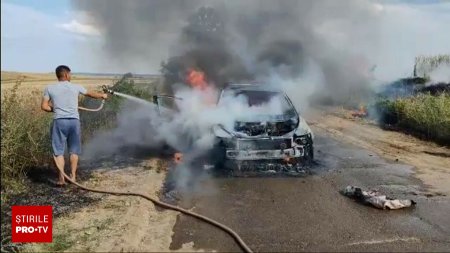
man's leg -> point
(58, 144)
(73, 166)
(74, 143)
(59, 161)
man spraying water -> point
(61, 99)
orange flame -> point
(287, 159)
(178, 158)
(196, 79)
(362, 112)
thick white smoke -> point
(441, 74)
(188, 130)
(190, 127)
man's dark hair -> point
(60, 70)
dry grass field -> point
(37, 81)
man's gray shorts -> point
(63, 130)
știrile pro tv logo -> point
(31, 223)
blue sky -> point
(51, 7)
(38, 35)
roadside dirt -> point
(117, 223)
(432, 162)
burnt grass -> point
(41, 190)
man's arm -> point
(91, 93)
(45, 105)
(94, 94)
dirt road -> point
(431, 162)
(309, 213)
(281, 214)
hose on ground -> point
(221, 226)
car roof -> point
(251, 87)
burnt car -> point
(265, 140)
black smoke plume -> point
(241, 40)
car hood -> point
(264, 129)
(266, 125)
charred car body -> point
(268, 141)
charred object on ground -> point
(376, 199)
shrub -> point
(25, 136)
(423, 114)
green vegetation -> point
(65, 239)
(60, 242)
(423, 115)
(25, 137)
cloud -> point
(76, 27)
(23, 22)
(31, 40)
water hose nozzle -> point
(107, 90)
